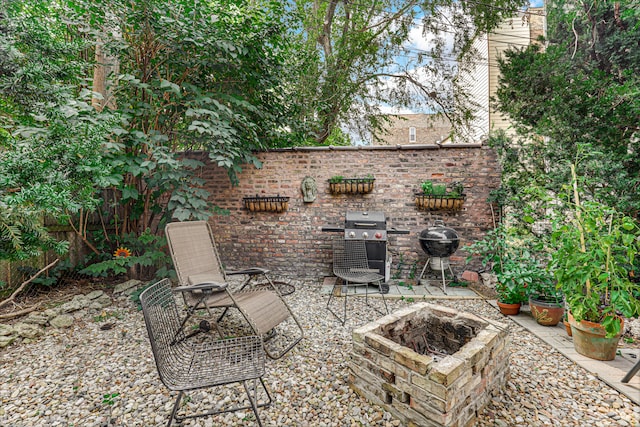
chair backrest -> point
(193, 251)
(164, 328)
(349, 256)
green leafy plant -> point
(545, 288)
(429, 188)
(336, 179)
(439, 190)
(457, 189)
(147, 256)
(511, 259)
(109, 398)
(596, 248)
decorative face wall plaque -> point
(309, 189)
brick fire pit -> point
(430, 365)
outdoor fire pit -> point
(430, 365)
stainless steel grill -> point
(372, 228)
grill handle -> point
(365, 224)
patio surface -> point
(611, 372)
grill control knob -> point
(352, 234)
(365, 235)
(378, 235)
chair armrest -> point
(206, 286)
(250, 271)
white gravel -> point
(87, 376)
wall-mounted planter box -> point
(266, 203)
(429, 202)
(352, 186)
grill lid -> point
(374, 220)
(439, 241)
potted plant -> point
(565, 321)
(512, 281)
(341, 185)
(434, 196)
(595, 250)
(546, 301)
(512, 264)
(336, 184)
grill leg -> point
(444, 281)
(424, 269)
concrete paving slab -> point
(398, 289)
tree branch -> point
(24, 284)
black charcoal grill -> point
(372, 228)
(439, 243)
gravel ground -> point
(88, 376)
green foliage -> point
(516, 261)
(430, 188)
(147, 257)
(439, 190)
(575, 103)
(595, 277)
(22, 235)
(51, 138)
(110, 398)
(192, 76)
(52, 276)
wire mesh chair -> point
(350, 264)
(185, 365)
(203, 283)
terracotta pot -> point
(509, 309)
(567, 327)
(546, 313)
(589, 339)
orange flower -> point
(122, 252)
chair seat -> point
(218, 362)
(264, 309)
(357, 277)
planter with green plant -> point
(595, 250)
(546, 301)
(436, 196)
(341, 185)
(514, 266)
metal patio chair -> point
(204, 285)
(185, 365)
(350, 264)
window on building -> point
(412, 134)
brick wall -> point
(292, 244)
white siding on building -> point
(477, 83)
(514, 33)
